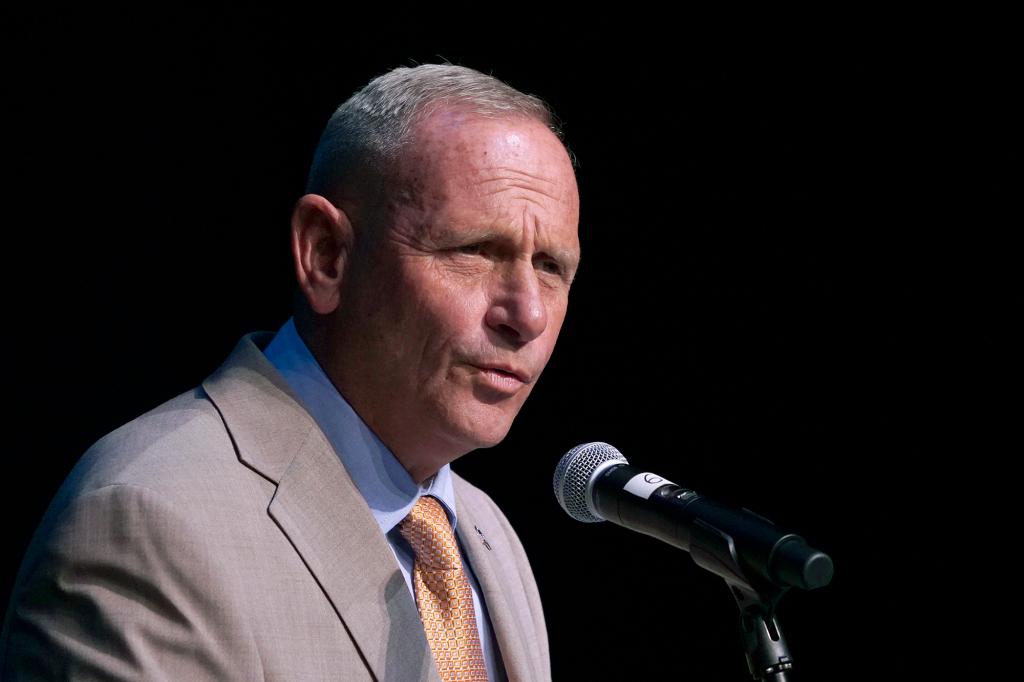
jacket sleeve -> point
(122, 585)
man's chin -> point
(476, 438)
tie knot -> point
(427, 530)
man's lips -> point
(504, 370)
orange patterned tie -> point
(443, 594)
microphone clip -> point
(765, 648)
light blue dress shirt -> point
(383, 482)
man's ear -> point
(322, 240)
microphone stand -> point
(766, 651)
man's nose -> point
(517, 310)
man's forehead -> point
(455, 152)
(458, 137)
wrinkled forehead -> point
(452, 148)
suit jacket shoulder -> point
(217, 536)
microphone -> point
(594, 482)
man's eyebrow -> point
(567, 256)
(482, 234)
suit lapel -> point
(321, 512)
(319, 509)
(493, 571)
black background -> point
(791, 294)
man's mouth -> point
(506, 372)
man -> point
(291, 518)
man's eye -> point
(470, 249)
(551, 267)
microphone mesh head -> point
(574, 473)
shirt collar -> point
(383, 482)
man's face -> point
(453, 305)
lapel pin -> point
(482, 538)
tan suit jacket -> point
(218, 536)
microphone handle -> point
(649, 504)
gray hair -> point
(368, 131)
